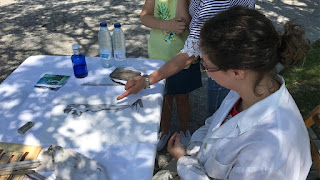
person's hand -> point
(133, 86)
(176, 25)
(175, 147)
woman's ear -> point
(238, 74)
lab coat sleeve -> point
(252, 173)
(259, 160)
(198, 136)
(189, 168)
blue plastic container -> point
(79, 63)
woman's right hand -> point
(175, 148)
(133, 86)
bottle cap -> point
(103, 24)
(75, 46)
(117, 25)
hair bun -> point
(292, 46)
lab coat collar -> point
(248, 118)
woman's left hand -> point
(175, 147)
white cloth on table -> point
(267, 141)
(129, 156)
(68, 164)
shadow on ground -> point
(51, 27)
(303, 12)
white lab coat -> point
(267, 141)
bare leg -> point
(166, 114)
(184, 109)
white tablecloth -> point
(123, 141)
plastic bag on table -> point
(68, 164)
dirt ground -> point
(41, 27)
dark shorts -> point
(184, 81)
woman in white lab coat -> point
(258, 132)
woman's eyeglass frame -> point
(204, 69)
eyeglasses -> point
(204, 69)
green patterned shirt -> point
(163, 44)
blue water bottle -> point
(78, 62)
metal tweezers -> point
(116, 83)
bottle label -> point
(120, 54)
(105, 56)
(106, 53)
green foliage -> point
(303, 81)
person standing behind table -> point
(258, 131)
(169, 20)
(200, 11)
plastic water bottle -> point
(78, 62)
(105, 45)
(119, 46)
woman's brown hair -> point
(243, 38)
